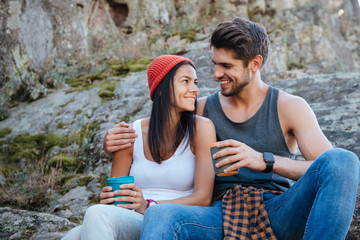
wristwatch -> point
(151, 202)
(270, 160)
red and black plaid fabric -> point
(244, 214)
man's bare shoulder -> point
(294, 112)
(290, 102)
(200, 106)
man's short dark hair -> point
(247, 39)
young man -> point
(262, 127)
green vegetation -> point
(70, 101)
(183, 27)
(63, 161)
(64, 229)
(110, 68)
(84, 82)
(3, 113)
(107, 92)
(76, 220)
(77, 112)
(61, 125)
(33, 180)
(123, 67)
(127, 117)
(293, 65)
(189, 35)
(7, 169)
(73, 180)
(4, 132)
(32, 147)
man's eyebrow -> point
(222, 63)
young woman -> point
(170, 159)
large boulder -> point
(42, 42)
(21, 224)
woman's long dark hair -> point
(159, 134)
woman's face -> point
(185, 88)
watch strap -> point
(270, 160)
(151, 202)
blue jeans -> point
(319, 205)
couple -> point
(261, 126)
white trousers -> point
(107, 222)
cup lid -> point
(120, 179)
(213, 144)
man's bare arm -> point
(298, 120)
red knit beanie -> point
(159, 67)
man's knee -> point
(341, 162)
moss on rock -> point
(63, 161)
(77, 112)
(70, 101)
(61, 125)
(70, 181)
(7, 169)
(113, 68)
(85, 81)
(102, 180)
(189, 35)
(31, 147)
(31, 151)
(127, 117)
(123, 67)
(293, 65)
(81, 179)
(107, 92)
(4, 132)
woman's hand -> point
(106, 195)
(134, 195)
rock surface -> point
(44, 41)
(335, 99)
(20, 224)
(308, 38)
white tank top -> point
(173, 178)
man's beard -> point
(237, 90)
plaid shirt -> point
(244, 214)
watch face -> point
(269, 157)
(152, 204)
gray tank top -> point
(262, 132)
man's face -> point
(231, 73)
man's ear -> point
(255, 63)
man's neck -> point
(255, 90)
(247, 102)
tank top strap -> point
(138, 144)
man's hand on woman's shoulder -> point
(119, 137)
